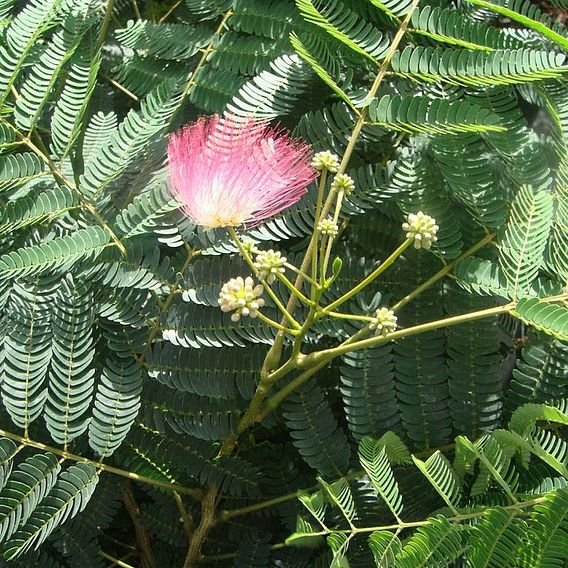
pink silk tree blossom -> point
(227, 172)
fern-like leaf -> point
(315, 432)
(60, 253)
(385, 546)
(496, 540)
(29, 484)
(36, 208)
(71, 376)
(17, 169)
(441, 475)
(433, 544)
(477, 68)
(374, 459)
(412, 114)
(548, 532)
(133, 135)
(36, 17)
(522, 247)
(35, 90)
(344, 25)
(27, 348)
(550, 318)
(69, 495)
(272, 92)
(7, 453)
(117, 401)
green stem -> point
(269, 291)
(340, 315)
(302, 274)
(276, 399)
(226, 515)
(274, 354)
(105, 24)
(115, 561)
(315, 361)
(397, 527)
(187, 522)
(441, 273)
(414, 524)
(310, 318)
(275, 324)
(315, 236)
(305, 300)
(330, 239)
(375, 274)
(346, 347)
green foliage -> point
(477, 68)
(17, 169)
(38, 498)
(59, 253)
(315, 433)
(438, 541)
(496, 539)
(374, 459)
(36, 208)
(344, 25)
(71, 378)
(525, 237)
(130, 139)
(550, 318)
(409, 114)
(445, 447)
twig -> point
(195, 493)
(187, 522)
(115, 561)
(144, 548)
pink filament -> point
(227, 172)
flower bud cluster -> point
(249, 245)
(326, 161)
(241, 296)
(422, 228)
(384, 322)
(269, 264)
(328, 227)
(343, 182)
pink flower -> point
(227, 172)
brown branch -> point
(142, 539)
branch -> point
(195, 493)
(146, 555)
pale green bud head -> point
(326, 160)
(384, 322)
(328, 227)
(242, 296)
(422, 229)
(344, 183)
(269, 264)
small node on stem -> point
(298, 359)
(343, 183)
(384, 322)
(249, 246)
(241, 296)
(326, 161)
(269, 264)
(422, 229)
